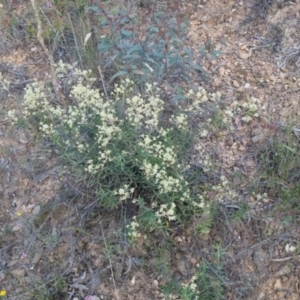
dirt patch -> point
(56, 241)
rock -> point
(2, 276)
(235, 84)
(23, 141)
(260, 260)
(277, 284)
(18, 272)
(17, 227)
(36, 210)
(294, 296)
(261, 296)
(243, 55)
(180, 266)
(13, 262)
(258, 138)
(118, 268)
(222, 71)
(37, 256)
(177, 256)
(283, 271)
(193, 261)
(132, 281)
(285, 112)
(247, 85)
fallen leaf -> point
(87, 37)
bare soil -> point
(45, 234)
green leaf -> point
(105, 46)
(132, 57)
(198, 67)
(118, 74)
(124, 20)
(127, 33)
(180, 91)
(103, 22)
(135, 48)
(289, 148)
(157, 55)
(94, 9)
(188, 51)
(154, 29)
(216, 53)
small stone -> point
(247, 85)
(178, 239)
(285, 112)
(118, 268)
(222, 71)
(177, 256)
(277, 284)
(193, 261)
(261, 296)
(13, 262)
(18, 272)
(17, 227)
(260, 259)
(294, 296)
(23, 141)
(283, 271)
(235, 84)
(36, 210)
(181, 268)
(29, 208)
(243, 55)
(132, 281)
(2, 276)
(258, 138)
(37, 256)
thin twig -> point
(103, 83)
(110, 264)
(75, 39)
(41, 41)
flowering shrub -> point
(128, 150)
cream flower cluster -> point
(93, 166)
(202, 158)
(144, 111)
(35, 100)
(180, 121)
(201, 96)
(73, 74)
(4, 82)
(132, 227)
(192, 285)
(248, 110)
(222, 192)
(124, 192)
(157, 149)
(164, 182)
(166, 211)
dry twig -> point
(41, 41)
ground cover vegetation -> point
(127, 112)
